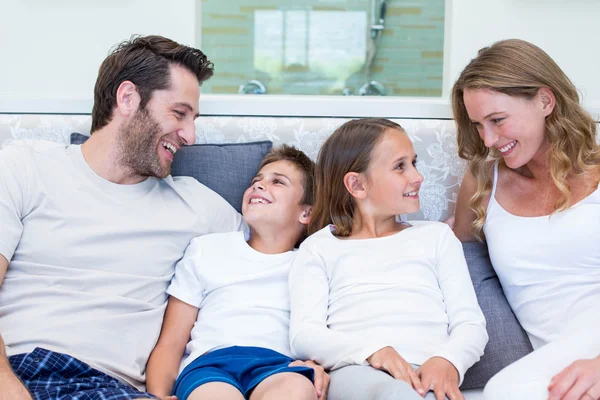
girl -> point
(389, 307)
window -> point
(327, 47)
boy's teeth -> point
(258, 200)
(410, 194)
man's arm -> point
(3, 268)
(12, 183)
(12, 388)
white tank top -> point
(549, 266)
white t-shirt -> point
(90, 260)
(549, 266)
(242, 294)
(411, 291)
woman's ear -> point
(355, 185)
(548, 100)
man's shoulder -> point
(188, 185)
(217, 215)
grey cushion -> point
(508, 341)
(227, 169)
(78, 138)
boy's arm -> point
(163, 364)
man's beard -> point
(138, 146)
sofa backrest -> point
(434, 141)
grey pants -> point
(362, 382)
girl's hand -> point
(579, 381)
(439, 375)
(388, 359)
(321, 377)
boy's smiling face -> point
(274, 196)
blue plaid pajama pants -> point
(56, 376)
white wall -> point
(50, 51)
(566, 29)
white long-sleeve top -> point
(411, 290)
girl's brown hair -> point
(519, 68)
(348, 149)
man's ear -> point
(305, 216)
(355, 185)
(548, 100)
(128, 98)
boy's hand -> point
(321, 377)
(388, 359)
(440, 376)
(169, 398)
(580, 380)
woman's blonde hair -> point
(348, 149)
(519, 68)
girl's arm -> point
(163, 364)
(310, 337)
(466, 322)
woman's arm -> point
(464, 214)
(163, 364)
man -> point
(90, 234)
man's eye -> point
(179, 114)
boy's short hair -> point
(301, 161)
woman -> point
(532, 193)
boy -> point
(231, 298)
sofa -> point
(229, 149)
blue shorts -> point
(242, 367)
(51, 376)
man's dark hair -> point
(145, 61)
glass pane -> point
(328, 47)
